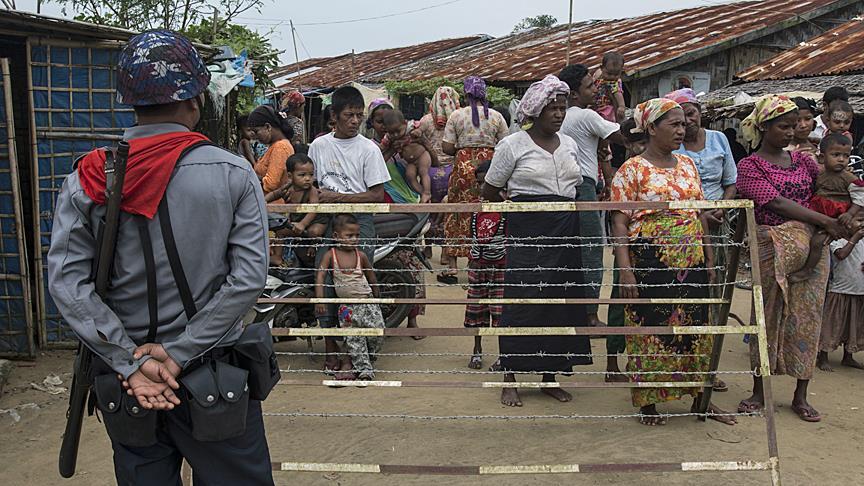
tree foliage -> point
(496, 96)
(540, 21)
(141, 15)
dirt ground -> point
(827, 453)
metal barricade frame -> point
(746, 227)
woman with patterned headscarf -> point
(444, 102)
(663, 254)
(540, 165)
(470, 134)
(781, 183)
(292, 105)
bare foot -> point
(715, 413)
(719, 385)
(412, 324)
(650, 416)
(476, 361)
(849, 361)
(799, 276)
(510, 397)
(822, 362)
(558, 394)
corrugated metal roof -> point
(337, 71)
(839, 50)
(647, 42)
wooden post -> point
(569, 32)
(297, 61)
(353, 78)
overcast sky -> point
(404, 25)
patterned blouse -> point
(640, 180)
(763, 182)
(462, 133)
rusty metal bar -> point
(463, 301)
(695, 466)
(762, 341)
(510, 331)
(503, 207)
(494, 384)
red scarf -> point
(148, 170)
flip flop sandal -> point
(720, 386)
(476, 362)
(447, 279)
(804, 413)
(749, 407)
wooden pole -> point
(297, 60)
(353, 78)
(17, 204)
(569, 31)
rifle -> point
(115, 173)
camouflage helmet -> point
(159, 67)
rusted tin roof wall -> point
(837, 51)
(337, 71)
(645, 41)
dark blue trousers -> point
(242, 460)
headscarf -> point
(266, 114)
(292, 99)
(539, 95)
(767, 108)
(681, 96)
(475, 90)
(444, 103)
(650, 111)
(374, 105)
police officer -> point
(218, 218)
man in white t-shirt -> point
(349, 168)
(588, 129)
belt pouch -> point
(254, 353)
(126, 421)
(218, 398)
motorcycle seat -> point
(394, 225)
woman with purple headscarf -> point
(471, 134)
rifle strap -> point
(150, 269)
(174, 260)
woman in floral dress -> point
(672, 241)
(471, 134)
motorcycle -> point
(402, 233)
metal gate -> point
(16, 316)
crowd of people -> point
(574, 141)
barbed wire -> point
(505, 417)
(526, 269)
(275, 243)
(391, 239)
(483, 372)
(543, 284)
(498, 355)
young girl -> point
(843, 321)
(300, 173)
(840, 116)
(838, 195)
(485, 270)
(418, 158)
(353, 278)
(609, 100)
(806, 116)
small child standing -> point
(244, 146)
(418, 158)
(609, 100)
(843, 318)
(353, 278)
(485, 270)
(838, 195)
(300, 172)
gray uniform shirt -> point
(219, 219)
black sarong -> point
(547, 228)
